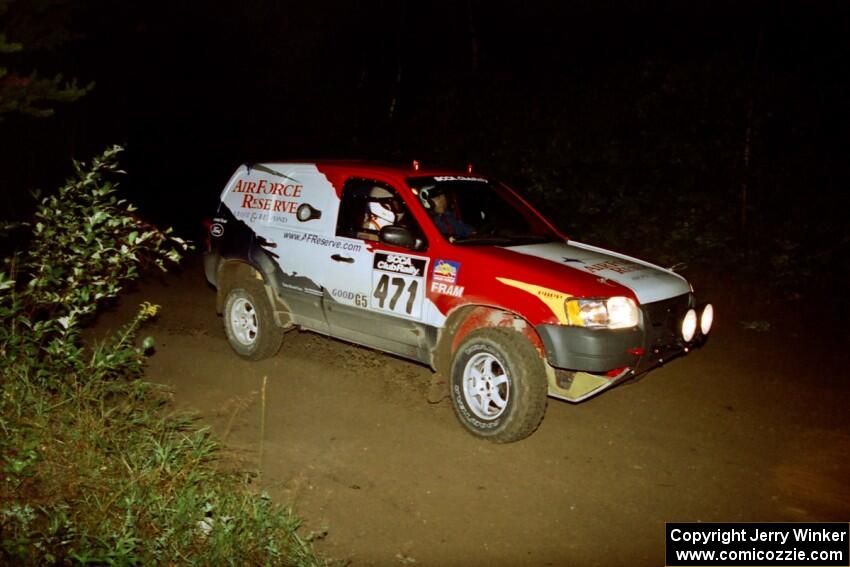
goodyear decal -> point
(553, 299)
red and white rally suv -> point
(451, 269)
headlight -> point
(612, 313)
(706, 319)
(689, 325)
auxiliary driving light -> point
(706, 319)
(689, 325)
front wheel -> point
(249, 322)
(498, 385)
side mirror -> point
(397, 236)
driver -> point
(444, 217)
(383, 210)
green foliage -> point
(26, 92)
(91, 469)
(29, 95)
(86, 244)
(96, 474)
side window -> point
(367, 206)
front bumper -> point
(590, 350)
(601, 358)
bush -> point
(92, 469)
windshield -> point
(476, 211)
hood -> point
(649, 282)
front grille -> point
(661, 319)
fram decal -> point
(399, 264)
(446, 271)
(446, 289)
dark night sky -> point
(195, 88)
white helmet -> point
(380, 211)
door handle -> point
(338, 258)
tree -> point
(22, 91)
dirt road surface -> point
(753, 427)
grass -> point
(93, 467)
(96, 471)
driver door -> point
(374, 292)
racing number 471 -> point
(398, 283)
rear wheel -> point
(249, 321)
(498, 385)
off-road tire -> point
(259, 337)
(525, 391)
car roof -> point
(366, 166)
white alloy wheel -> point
(498, 384)
(249, 321)
(486, 386)
(243, 321)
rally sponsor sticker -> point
(400, 264)
(398, 284)
(446, 271)
(447, 289)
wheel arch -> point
(230, 271)
(468, 318)
(234, 270)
